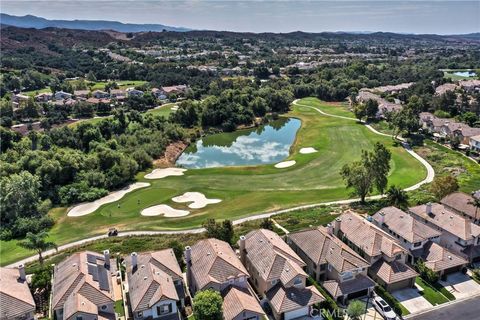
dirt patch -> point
(172, 152)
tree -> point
(219, 230)
(207, 305)
(426, 273)
(476, 203)
(38, 243)
(371, 108)
(267, 223)
(444, 185)
(359, 111)
(397, 197)
(369, 172)
(356, 309)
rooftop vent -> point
(144, 278)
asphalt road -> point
(461, 310)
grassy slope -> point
(245, 190)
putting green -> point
(245, 190)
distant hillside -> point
(30, 21)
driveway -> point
(371, 314)
(461, 285)
(411, 299)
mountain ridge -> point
(31, 21)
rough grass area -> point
(244, 191)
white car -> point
(384, 309)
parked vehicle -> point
(384, 309)
(112, 232)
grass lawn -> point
(444, 291)
(450, 74)
(431, 294)
(119, 308)
(35, 92)
(244, 190)
(165, 110)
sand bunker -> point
(167, 211)
(89, 207)
(174, 108)
(308, 150)
(162, 173)
(285, 164)
(198, 200)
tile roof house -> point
(419, 239)
(82, 280)
(474, 143)
(386, 256)
(462, 204)
(458, 234)
(329, 260)
(277, 274)
(16, 301)
(212, 264)
(132, 92)
(81, 93)
(155, 285)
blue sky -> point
(441, 17)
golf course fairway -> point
(246, 190)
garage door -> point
(452, 270)
(296, 313)
(400, 285)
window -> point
(241, 279)
(164, 308)
(297, 281)
(140, 314)
(417, 244)
(274, 282)
(104, 307)
(79, 317)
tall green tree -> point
(444, 185)
(207, 305)
(369, 172)
(38, 243)
(397, 197)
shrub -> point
(329, 302)
(427, 274)
(389, 299)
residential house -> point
(384, 106)
(61, 95)
(44, 97)
(474, 143)
(386, 256)
(81, 94)
(132, 92)
(462, 204)
(470, 85)
(155, 285)
(99, 94)
(444, 88)
(21, 99)
(420, 240)
(16, 301)
(159, 94)
(277, 274)
(341, 270)
(212, 264)
(178, 89)
(25, 128)
(118, 94)
(83, 286)
(458, 234)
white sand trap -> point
(308, 150)
(198, 200)
(167, 211)
(163, 173)
(174, 108)
(87, 208)
(285, 164)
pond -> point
(266, 144)
(469, 74)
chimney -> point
(22, 274)
(106, 254)
(134, 261)
(381, 218)
(428, 208)
(188, 262)
(242, 248)
(336, 226)
(330, 229)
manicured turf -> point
(431, 294)
(245, 190)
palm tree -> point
(38, 243)
(397, 197)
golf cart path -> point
(428, 179)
